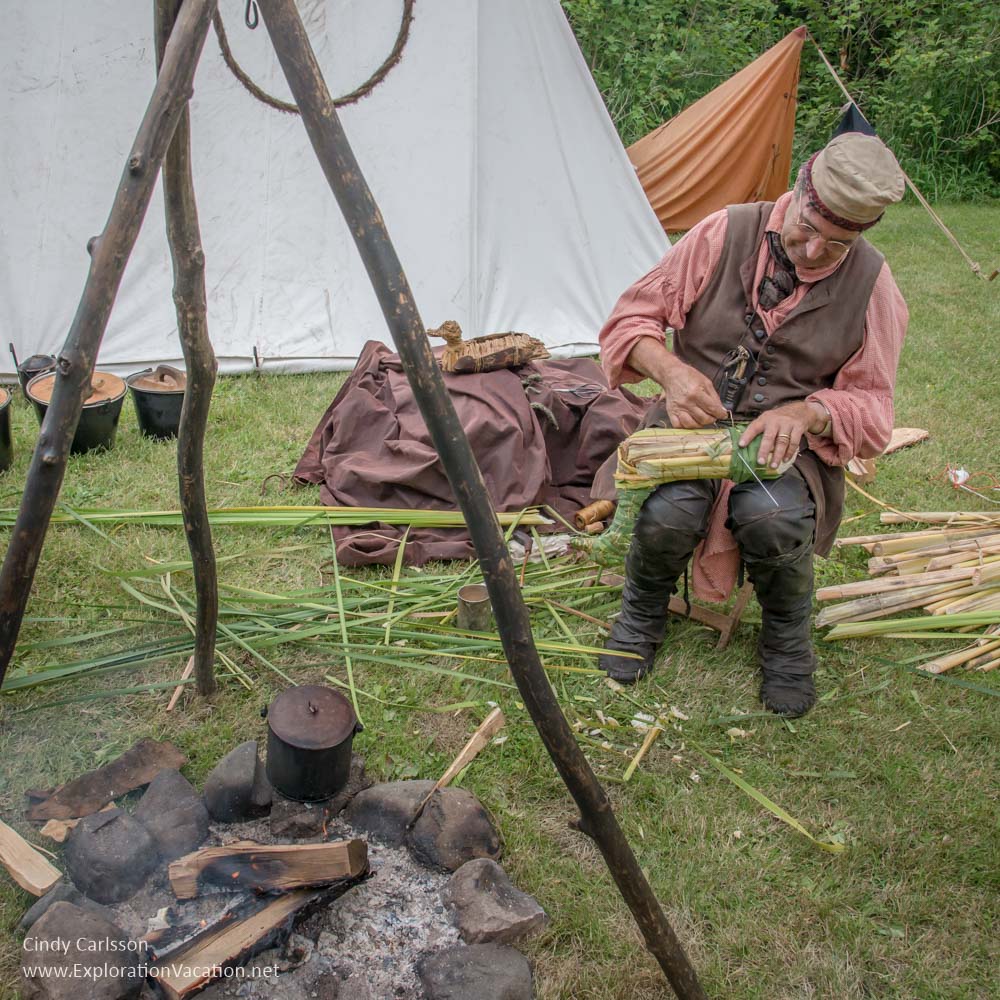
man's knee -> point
(766, 527)
(674, 517)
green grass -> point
(900, 769)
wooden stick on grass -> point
(651, 735)
(951, 660)
(179, 690)
(488, 728)
(364, 220)
(941, 517)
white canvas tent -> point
(503, 183)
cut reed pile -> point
(406, 622)
(950, 571)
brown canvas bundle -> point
(371, 447)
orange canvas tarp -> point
(732, 146)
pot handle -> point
(358, 728)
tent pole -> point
(109, 254)
(385, 271)
(184, 236)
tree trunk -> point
(75, 365)
(188, 258)
(365, 222)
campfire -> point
(372, 891)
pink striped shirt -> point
(859, 402)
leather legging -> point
(776, 545)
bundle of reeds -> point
(657, 455)
(952, 569)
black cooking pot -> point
(310, 730)
(101, 409)
(158, 395)
(35, 365)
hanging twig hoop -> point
(355, 95)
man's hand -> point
(690, 398)
(781, 430)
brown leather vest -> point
(805, 353)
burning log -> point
(169, 937)
(191, 967)
(266, 867)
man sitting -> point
(786, 317)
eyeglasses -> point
(835, 248)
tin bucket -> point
(158, 395)
(475, 613)
(6, 442)
(99, 416)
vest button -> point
(758, 397)
(769, 348)
(762, 381)
(765, 366)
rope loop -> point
(252, 19)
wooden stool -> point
(724, 624)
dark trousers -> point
(776, 545)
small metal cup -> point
(474, 610)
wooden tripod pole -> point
(109, 254)
(393, 292)
(184, 236)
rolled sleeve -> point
(860, 402)
(662, 298)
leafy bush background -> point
(926, 74)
